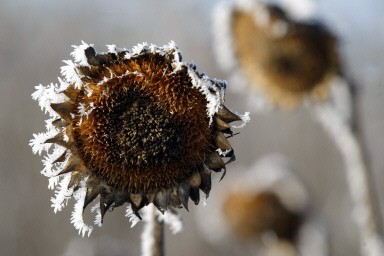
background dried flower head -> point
(267, 209)
(285, 59)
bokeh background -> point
(35, 36)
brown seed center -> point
(145, 134)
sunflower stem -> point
(358, 176)
(158, 235)
(153, 234)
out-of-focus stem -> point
(359, 180)
(158, 234)
(152, 239)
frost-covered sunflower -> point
(284, 59)
(132, 126)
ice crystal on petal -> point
(62, 193)
(52, 182)
(77, 214)
(112, 48)
(63, 85)
(70, 73)
(139, 48)
(129, 213)
(213, 94)
(98, 218)
(79, 53)
(38, 142)
(50, 167)
(245, 118)
(173, 219)
(46, 95)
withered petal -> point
(59, 123)
(195, 179)
(120, 197)
(71, 92)
(91, 194)
(59, 140)
(136, 199)
(75, 179)
(214, 161)
(222, 142)
(221, 125)
(194, 194)
(106, 200)
(61, 158)
(226, 115)
(73, 164)
(183, 192)
(64, 109)
(161, 200)
(206, 183)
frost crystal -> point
(79, 53)
(173, 219)
(77, 214)
(131, 216)
(98, 218)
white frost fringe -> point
(77, 214)
(172, 219)
(131, 216)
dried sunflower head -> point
(267, 208)
(132, 126)
(285, 59)
(252, 215)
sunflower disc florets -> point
(132, 126)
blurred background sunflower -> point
(36, 35)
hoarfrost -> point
(112, 48)
(52, 182)
(98, 217)
(131, 216)
(173, 219)
(79, 53)
(62, 193)
(245, 118)
(70, 73)
(50, 167)
(46, 95)
(213, 94)
(139, 48)
(38, 142)
(77, 214)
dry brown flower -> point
(134, 127)
(286, 59)
(253, 215)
